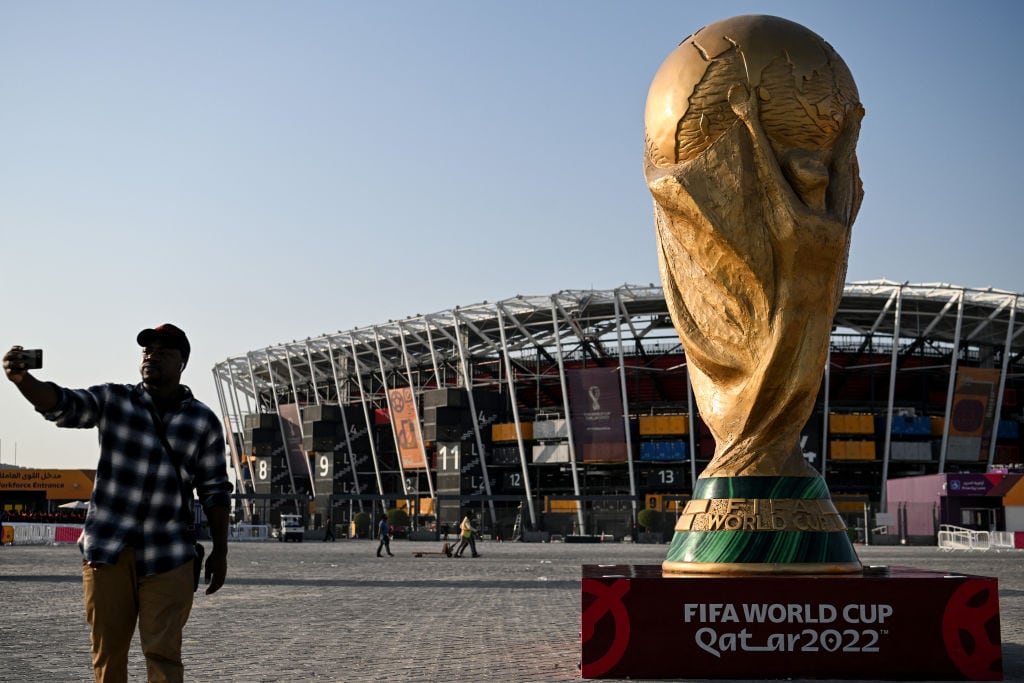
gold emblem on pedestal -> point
(760, 514)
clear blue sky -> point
(258, 172)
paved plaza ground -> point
(334, 612)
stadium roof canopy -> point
(434, 350)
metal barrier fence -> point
(26, 533)
(958, 538)
(249, 532)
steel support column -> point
(280, 422)
(893, 362)
(416, 410)
(692, 419)
(824, 410)
(391, 413)
(625, 403)
(951, 384)
(298, 415)
(344, 423)
(1002, 386)
(568, 416)
(467, 379)
(369, 421)
(515, 417)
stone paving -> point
(318, 611)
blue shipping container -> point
(1008, 429)
(662, 451)
(911, 426)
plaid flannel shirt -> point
(136, 498)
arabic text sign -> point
(58, 484)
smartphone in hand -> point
(33, 358)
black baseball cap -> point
(167, 334)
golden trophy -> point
(751, 129)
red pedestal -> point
(893, 623)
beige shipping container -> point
(855, 423)
(664, 425)
(506, 431)
(852, 450)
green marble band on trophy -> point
(751, 131)
(760, 524)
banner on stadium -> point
(974, 402)
(407, 428)
(243, 470)
(597, 428)
(289, 413)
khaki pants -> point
(116, 598)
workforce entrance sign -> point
(890, 623)
(58, 484)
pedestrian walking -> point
(329, 530)
(158, 443)
(384, 531)
(468, 531)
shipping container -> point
(454, 398)
(447, 416)
(260, 421)
(506, 431)
(550, 429)
(327, 412)
(550, 453)
(662, 451)
(664, 425)
(911, 451)
(1008, 429)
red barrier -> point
(67, 534)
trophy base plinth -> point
(891, 623)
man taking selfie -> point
(157, 444)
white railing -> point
(1003, 540)
(249, 532)
(27, 533)
(958, 538)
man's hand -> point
(216, 571)
(14, 365)
(217, 562)
(42, 395)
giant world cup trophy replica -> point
(751, 129)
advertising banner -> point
(407, 428)
(293, 441)
(596, 402)
(242, 469)
(974, 402)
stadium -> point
(568, 413)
